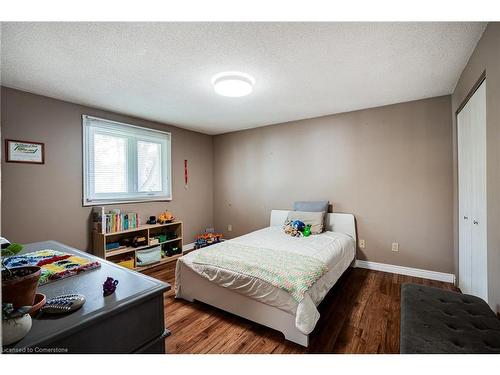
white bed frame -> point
(195, 287)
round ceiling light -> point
(233, 84)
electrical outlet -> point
(362, 244)
(395, 246)
(229, 228)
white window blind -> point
(124, 163)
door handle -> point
(466, 218)
(476, 222)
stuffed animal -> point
(293, 228)
(287, 227)
(298, 225)
(297, 228)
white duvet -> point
(336, 250)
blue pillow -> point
(311, 206)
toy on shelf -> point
(126, 242)
(162, 237)
(112, 246)
(207, 239)
(151, 220)
(165, 217)
(139, 241)
(170, 235)
(169, 250)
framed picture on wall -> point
(24, 152)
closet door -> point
(479, 253)
(471, 127)
(464, 197)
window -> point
(124, 163)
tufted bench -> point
(439, 321)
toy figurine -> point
(298, 225)
(297, 228)
(109, 286)
(152, 220)
(291, 229)
(165, 217)
(139, 241)
(207, 239)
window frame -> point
(88, 197)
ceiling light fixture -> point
(233, 84)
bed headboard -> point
(335, 222)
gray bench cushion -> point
(439, 321)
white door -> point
(464, 193)
(471, 131)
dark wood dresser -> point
(129, 321)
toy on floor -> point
(207, 239)
(109, 286)
(297, 228)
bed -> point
(259, 301)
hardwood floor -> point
(359, 315)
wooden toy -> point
(165, 217)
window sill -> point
(125, 201)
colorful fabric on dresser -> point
(287, 271)
(55, 265)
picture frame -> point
(27, 152)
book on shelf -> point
(111, 222)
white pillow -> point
(315, 219)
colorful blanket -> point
(287, 271)
(55, 265)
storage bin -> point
(148, 256)
(127, 263)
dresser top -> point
(133, 288)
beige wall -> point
(41, 202)
(486, 57)
(389, 166)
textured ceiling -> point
(162, 71)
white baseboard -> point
(425, 274)
(188, 246)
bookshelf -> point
(149, 231)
